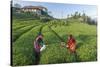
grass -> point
(24, 33)
(19, 32)
(54, 53)
(23, 48)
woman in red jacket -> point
(71, 44)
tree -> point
(71, 15)
(91, 21)
(79, 15)
(68, 16)
(84, 17)
(76, 15)
(17, 5)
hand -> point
(67, 46)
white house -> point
(36, 9)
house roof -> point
(34, 7)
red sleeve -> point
(73, 41)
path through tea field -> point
(24, 33)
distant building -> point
(81, 19)
(36, 9)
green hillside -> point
(25, 31)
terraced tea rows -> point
(24, 36)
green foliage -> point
(18, 14)
(25, 15)
(23, 53)
(82, 17)
(25, 34)
(54, 53)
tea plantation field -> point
(24, 33)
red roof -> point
(34, 7)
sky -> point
(61, 10)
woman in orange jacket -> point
(71, 44)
